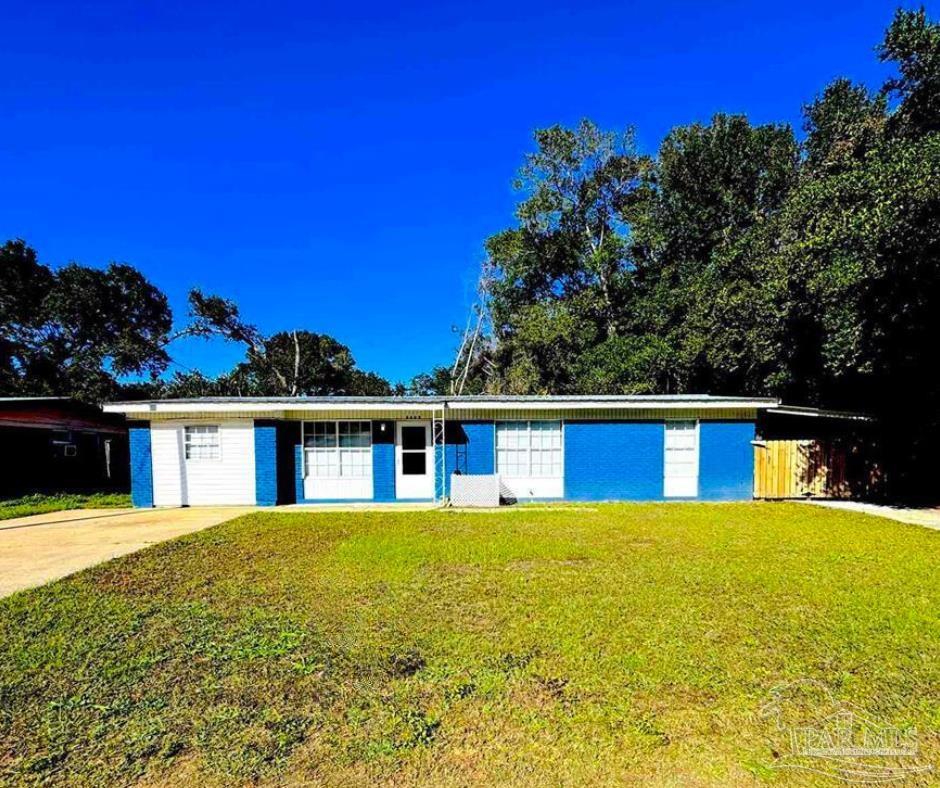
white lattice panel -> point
(474, 490)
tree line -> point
(100, 334)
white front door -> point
(681, 460)
(414, 460)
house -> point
(57, 444)
(267, 451)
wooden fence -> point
(807, 469)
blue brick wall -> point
(603, 460)
(470, 447)
(265, 463)
(299, 473)
(620, 461)
(726, 460)
(383, 471)
(141, 464)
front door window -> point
(414, 463)
(414, 455)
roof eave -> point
(428, 405)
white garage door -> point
(201, 462)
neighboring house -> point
(56, 444)
(317, 449)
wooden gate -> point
(800, 469)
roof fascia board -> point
(143, 409)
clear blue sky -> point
(336, 167)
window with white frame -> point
(528, 449)
(202, 442)
(338, 449)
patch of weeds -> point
(462, 691)
(42, 503)
(647, 725)
(554, 686)
(405, 664)
(515, 662)
(420, 729)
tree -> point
(77, 330)
(699, 272)
(912, 42)
(285, 364)
(842, 127)
(558, 281)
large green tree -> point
(96, 334)
(697, 246)
(286, 364)
(559, 281)
(76, 331)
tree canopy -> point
(76, 330)
(97, 334)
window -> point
(414, 444)
(202, 442)
(528, 449)
(338, 449)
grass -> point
(40, 504)
(609, 644)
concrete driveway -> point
(927, 517)
(35, 550)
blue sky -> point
(337, 166)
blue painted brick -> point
(141, 464)
(265, 463)
(726, 460)
(470, 448)
(383, 471)
(614, 460)
(299, 473)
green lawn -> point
(609, 644)
(40, 504)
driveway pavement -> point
(927, 517)
(44, 547)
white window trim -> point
(304, 464)
(528, 422)
(186, 443)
